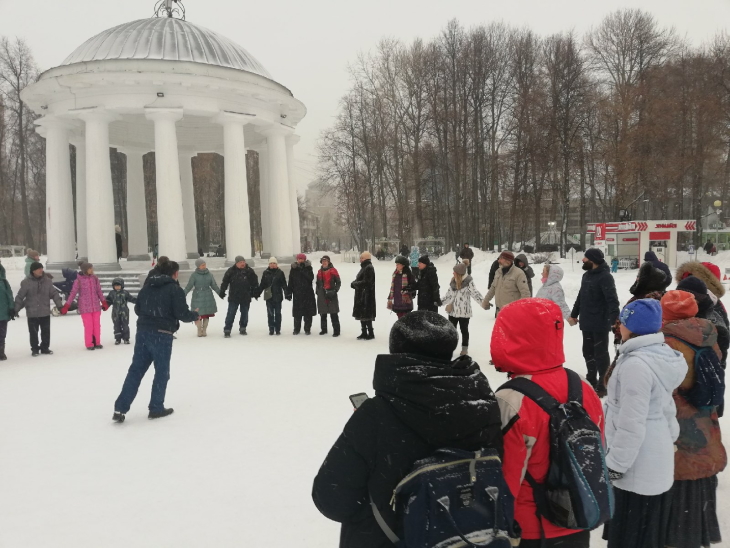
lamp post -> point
(718, 205)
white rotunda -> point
(168, 86)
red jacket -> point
(527, 340)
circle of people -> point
(663, 392)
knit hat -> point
(460, 269)
(425, 260)
(35, 266)
(239, 259)
(678, 305)
(301, 256)
(714, 269)
(693, 284)
(424, 333)
(595, 255)
(643, 316)
(84, 268)
(272, 260)
(507, 255)
(199, 262)
(401, 260)
(325, 258)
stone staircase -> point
(131, 281)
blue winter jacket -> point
(161, 305)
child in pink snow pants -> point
(91, 303)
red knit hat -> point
(678, 305)
(507, 255)
(714, 269)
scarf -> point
(404, 285)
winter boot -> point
(160, 414)
(297, 326)
(364, 333)
(324, 325)
(227, 334)
(98, 347)
(242, 331)
(90, 348)
(199, 325)
(371, 333)
(335, 325)
(126, 341)
(205, 326)
(464, 351)
(3, 357)
(118, 417)
(118, 342)
(48, 351)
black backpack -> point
(709, 387)
(452, 499)
(577, 493)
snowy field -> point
(254, 418)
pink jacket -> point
(90, 295)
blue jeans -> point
(149, 346)
(273, 310)
(231, 316)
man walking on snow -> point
(510, 283)
(467, 256)
(597, 309)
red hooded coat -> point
(527, 341)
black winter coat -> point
(428, 287)
(467, 253)
(301, 277)
(242, 282)
(597, 304)
(492, 273)
(364, 286)
(651, 257)
(161, 305)
(420, 405)
(276, 280)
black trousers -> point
(298, 323)
(463, 324)
(3, 332)
(429, 308)
(576, 540)
(595, 353)
(44, 325)
(335, 322)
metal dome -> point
(167, 39)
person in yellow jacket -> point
(510, 283)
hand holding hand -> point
(64, 310)
(572, 321)
(13, 314)
(486, 305)
(222, 294)
(105, 305)
(352, 285)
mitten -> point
(64, 310)
(105, 305)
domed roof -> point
(164, 38)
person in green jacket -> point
(32, 256)
(7, 310)
(202, 284)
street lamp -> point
(718, 205)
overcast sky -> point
(307, 44)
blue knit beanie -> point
(643, 316)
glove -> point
(105, 305)
(64, 310)
(13, 313)
(614, 476)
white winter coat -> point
(641, 421)
(461, 298)
(553, 291)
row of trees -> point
(486, 134)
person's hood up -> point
(443, 402)
(555, 275)
(118, 281)
(465, 281)
(696, 331)
(528, 337)
(161, 280)
(523, 259)
(695, 268)
(650, 278)
(650, 256)
(667, 364)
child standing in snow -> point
(641, 428)
(91, 302)
(118, 299)
(551, 289)
(458, 302)
(202, 284)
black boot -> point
(324, 324)
(297, 325)
(160, 414)
(3, 357)
(364, 333)
(371, 333)
(335, 325)
(118, 417)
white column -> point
(60, 237)
(79, 141)
(294, 204)
(264, 197)
(238, 216)
(170, 216)
(138, 242)
(188, 198)
(101, 241)
(279, 199)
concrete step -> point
(131, 282)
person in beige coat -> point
(510, 283)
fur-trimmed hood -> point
(649, 279)
(695, 268)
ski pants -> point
(595, 353)
(92, 328)
(149, 347)
(463, 324)
(121, 328)
(44, 325)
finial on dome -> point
(170, 8)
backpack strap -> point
(392, 537)
(575, 387)
(533, 391)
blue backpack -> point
(577, 493)
(452, 499)
(709, 387)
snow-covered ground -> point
(254, 418)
